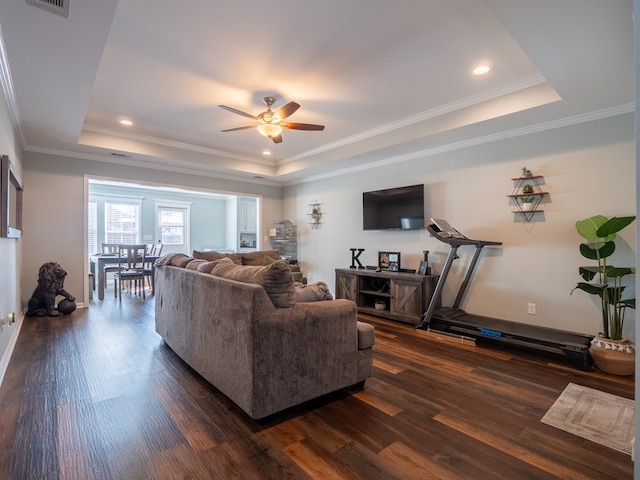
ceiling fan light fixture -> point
(269, 129)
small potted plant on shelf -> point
(527, 188)
(380, 304)
(527, 203)
(611, 353)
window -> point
(172, 223)
(122, 222)
(93, 227)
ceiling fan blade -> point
(239, 112)
(302, 126)
(238, 128)
(286, 110)
(276, 138)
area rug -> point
(597, 416)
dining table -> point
(98, 262)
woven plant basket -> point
(617, 357)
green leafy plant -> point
(600, 233)
(527, 199)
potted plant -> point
(527, 203)
(527, 188)
(380, 304)
(610, 352)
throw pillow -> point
(276, 280)
(257, 258)
(176, 259)
(180, 260)
(195, 263)
(166, 259)
(267, 260)
(206, 267)
(210, 256)
(313, 292)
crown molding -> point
(9, 92)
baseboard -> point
(4, 361)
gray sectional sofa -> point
(242, 328)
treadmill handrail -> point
(457, 241)
(454, 243)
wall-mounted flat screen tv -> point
(399, 208)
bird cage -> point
(284, 238)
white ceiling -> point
(390, 80)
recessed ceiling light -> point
(128, 123)
(482, 69)
(266, 152)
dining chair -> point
(109, 249)
(155, 251)
(131, 262)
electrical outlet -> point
(531, 308)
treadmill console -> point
(445, 230)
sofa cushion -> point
(366, 335)
(206, 266)
(210, 256)
(257, 258)
(276, 280)
(312, 292)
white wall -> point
(588, 169)
(10, 251)
(54, 210)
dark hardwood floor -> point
(98, 395)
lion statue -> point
(50, 284)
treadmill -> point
(571, 346)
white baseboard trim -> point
(4, 361)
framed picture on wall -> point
(10, 200)
(389, 261)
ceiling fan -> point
(270, 123)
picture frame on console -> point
(423, 267)
(389, 261)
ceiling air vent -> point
(61, 7)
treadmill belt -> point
(487, 325)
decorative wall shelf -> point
(527, 194)
(315, 214)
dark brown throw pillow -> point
(195, 263)
(276, 279)
(206, 267)
(257, 258)
(210, 256)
